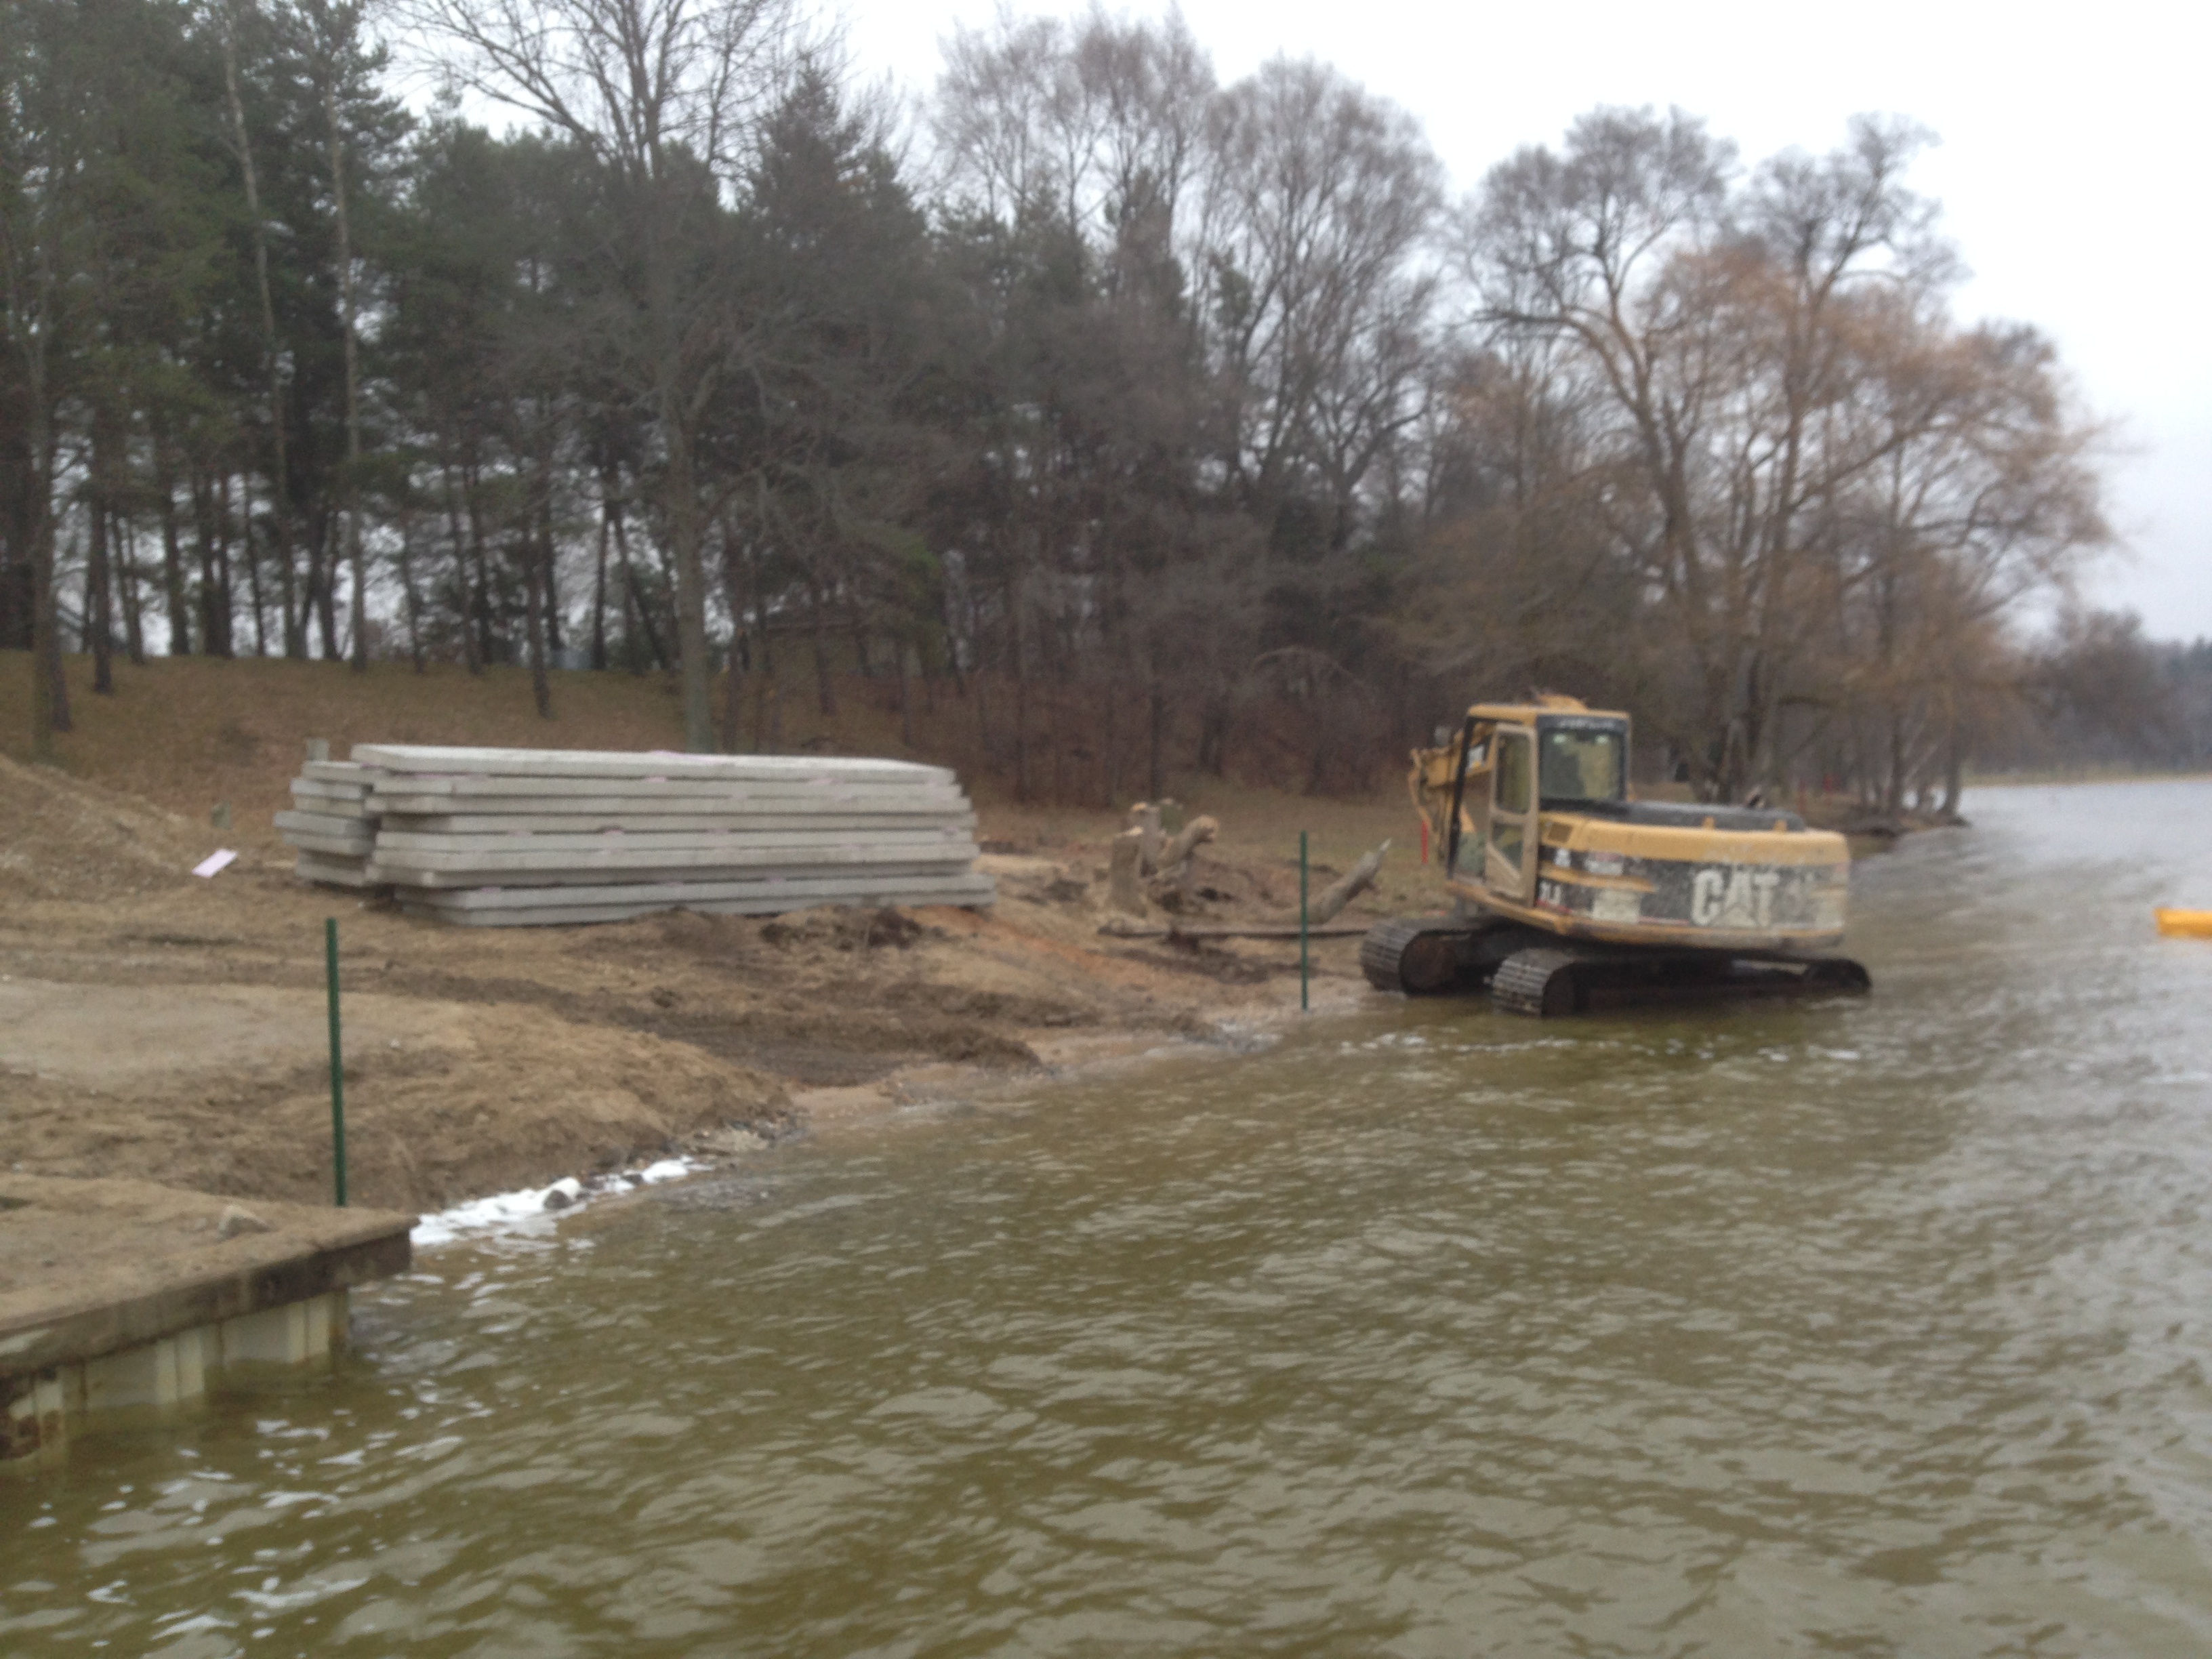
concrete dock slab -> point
(122, 1300)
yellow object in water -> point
(2184, 924)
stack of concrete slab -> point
(509, 837)
(332, 824)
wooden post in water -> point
(1305, 959)
(337, 1064)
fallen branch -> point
(1348, 887)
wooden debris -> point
(1122, 892)
(1354, 882)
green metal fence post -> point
(1305, 959)
(337, 1064)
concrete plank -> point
(326, 824)
(486, 794)
(332, 807)
(639, 847)
(975, 893)
(417, 758)
(332, 871)
(340, 771)
(523, 860)
(806, 890)
(449, 880)
(573, 824)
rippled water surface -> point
(1873, 1327)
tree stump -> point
(1145, 817)
(1123, 892)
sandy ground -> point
(158, 1026)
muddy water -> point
(1873, 1328)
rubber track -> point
(1385, 948)
(1521, 980)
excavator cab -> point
(1513, 772)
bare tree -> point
(665, 96)
(1321, 202)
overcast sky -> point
(2071, 166)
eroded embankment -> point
(158, 1026)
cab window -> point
(1512, 794)
(1582, 763)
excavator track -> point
(1539, 983)
(1419, 956)
(1547, 982)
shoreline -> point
(165, 1028)
(834, 1112)
(162, 1027)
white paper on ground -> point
(213, 862)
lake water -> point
(1864, 1328)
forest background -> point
(1173, 427)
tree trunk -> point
(210, 541)
(355, 565)
(480, 558)
(685, 534)
(825, 693)
(906, 700)
(124, 537)
(280, 483)
(733, 687)
(50, 705)
(533, 604)
(470, 656)
(1954, 773)
(409, 591)
(599, 592)
(252, 559)
(99, 585)
(173, 556)
(549, 567)
(327, 549)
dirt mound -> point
(62, 838)
(843, 927)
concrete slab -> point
(549, 906)
(529, 865)
(613, 763)
(344, 771)
(643, 822)
(393, 843)
(481, 791)
(330, 806)
(124, 1300)
(332, 871)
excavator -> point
(1569, 894)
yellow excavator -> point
(1568, 893)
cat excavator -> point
(1570, 894)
